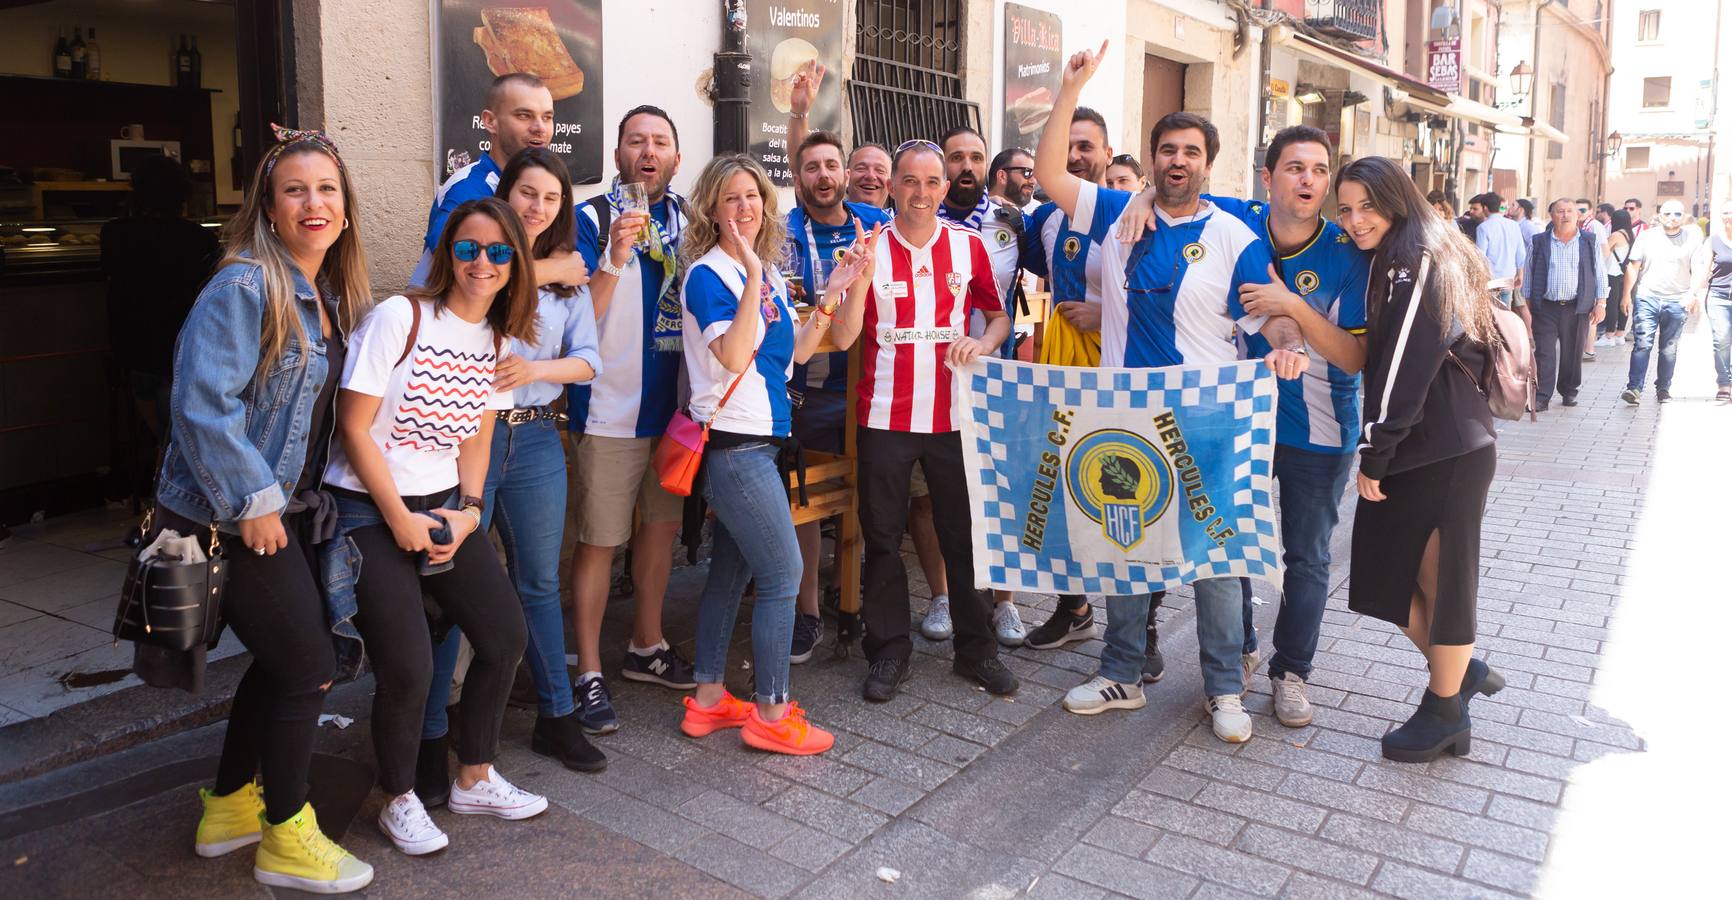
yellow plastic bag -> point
(1064, 345)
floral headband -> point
(288, 137)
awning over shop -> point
(1542, 130)
(1285, 36)
(1458, 107)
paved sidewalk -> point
(1585, 592)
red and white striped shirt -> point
(918, 305)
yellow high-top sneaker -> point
(229, 823)
(296, 854)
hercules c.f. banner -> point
(1119, 481)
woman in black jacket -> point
(1427, 448)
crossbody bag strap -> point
(730, 391)
(415, 331)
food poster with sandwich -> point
(782, 36)
(1033, 68)
(560, 43)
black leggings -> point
(274, 605)
(478, 597)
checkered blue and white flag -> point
(1119, 481)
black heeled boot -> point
(1439, 725)
(1479, 679)
(562, 738)
(433, 771)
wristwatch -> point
(611, 269)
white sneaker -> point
(1100, 693)
(1292, 708)
(936, 626)
(1606, 341)
(494, 796)
(405, 821)
(1007, 625)
(1228, 717)
(1247, 666)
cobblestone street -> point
(1599, 546)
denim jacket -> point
(239, 441)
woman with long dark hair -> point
(408, 472)
(525, 493)
(1428, 448)
(252, 409)
(1617, 250)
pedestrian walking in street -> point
(1565, 285)
(741, 341)
(255, 381)
(1617, 252)
(1660, 295)
(1422, 488)
(1505, 248)
(526, 481)
(1714, 276)
(415, 428)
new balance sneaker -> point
(1661, 395)
(807, 631)
(1631, 396)
(1007, 625)
(990, 673)
(664, 666)
(1227, 715)
(595, 706)
(1292, 708)
(231, 822)
(937, 625)
(1100, 693)
(791, 734)
(884, 677)
(1247, 667)
(296, 854)
(1064, 627)
(728, 712)
(494, 796)
(561, 737)
(405, 821)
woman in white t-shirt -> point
(415, 423)
(741, 335)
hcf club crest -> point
(1120, 481)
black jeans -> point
(274, 605)
(886, 460)
(477, 596)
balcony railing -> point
(1353, 20)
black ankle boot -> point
(1479, 679)
(433, 771)
(1440, 724)
(562, 738)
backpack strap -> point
(603, 220)
(414, 331)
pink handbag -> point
(681, 450)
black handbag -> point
(169, 603)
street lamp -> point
(1521, 81)
(1614, 142)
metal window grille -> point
(907, 80)
(1354, 20)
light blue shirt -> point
(564, 329)
(1562, 273)
(1500, 239)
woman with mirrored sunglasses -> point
(526, 482)
(415, 426)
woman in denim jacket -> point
(252, 414)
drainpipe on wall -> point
(1534, 99)
(733, 80)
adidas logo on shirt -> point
(923, 272)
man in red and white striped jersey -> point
(928, 276)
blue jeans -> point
(1220, 635)
(1664, 319)
(525, 496)
(753, 539)
(1719, 312)
(1311, 486)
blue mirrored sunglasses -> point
(498, 254)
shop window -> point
(1648, 25)
(907, 80)
(1657, 92)
(1635, 158)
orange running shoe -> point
(729, 712)
(791, 734)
